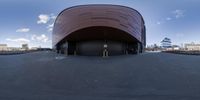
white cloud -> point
(47, 19)
(178, 13)
(158, 23)
(24, 30)
(53, 17)
(50, 27)
(19, 40)
(168, 18)
(43, 19)
(40, 38)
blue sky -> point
(30, 21)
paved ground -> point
(148, 76)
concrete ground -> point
(148, 76)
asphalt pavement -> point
(148, 76)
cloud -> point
(178, 13)
(50, 27)
(19, 40)
(52, 16)
(168, 18)
(23, 30)
(43, 19)
(40, 38)
(158, 22)
(48, 19)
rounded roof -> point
(99, 5)
(83, 16)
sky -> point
(31, 21)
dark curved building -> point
(99, 30)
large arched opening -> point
(99, 41)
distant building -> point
(153, 47)
(166, 43)
(34, 48)
(14, 49)
(192, 47)
(25, 47)
(3, 47)
(175, 47)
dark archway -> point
(91, 41)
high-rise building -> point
(166, 43)
(25, 47)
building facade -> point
(99, 30)
(25, 47)
(3, 47)
(192, 47)
(166, 43)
